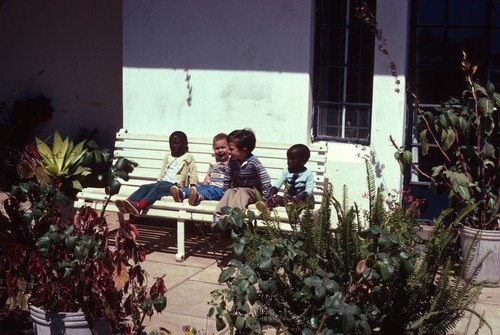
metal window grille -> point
(343, 73)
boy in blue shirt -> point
(299, 180)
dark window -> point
(440, 30)
(343, 72)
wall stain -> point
(189, 87)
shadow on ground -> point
(160, 235)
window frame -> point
(356, 78)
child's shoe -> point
(194, 196)
(120, 204)
(131, 207)
(176, 193)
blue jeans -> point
(209, 192)
(152, 192)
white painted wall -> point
(78, 45)
(248, 64)
(204, 67)
(389, 106)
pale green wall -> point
(249, 64)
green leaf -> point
(160, 304)
(486, 106)
(407, 157)
(347, 322)
(490, 88)
(436, 170)
(488, 150)
(463, 125)
(266, 264)
(252, 295)
(447, 138)
(443, 121)
(79, 252)
(253, 324)
(424, 142)
(113, 187)
(55, 237)
(408, 267)
(240, 322)
(226, 274)
(70, 242)
(320, 291)
(220, 324)
(459, 182)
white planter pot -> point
(51, 323)
(486, 240)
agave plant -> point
(62, 161)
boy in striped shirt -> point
(245, 174)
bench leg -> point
(121, 218)
(181, 253)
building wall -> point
(79, 46)
(389, 97)
(205, 67)
(197, 66)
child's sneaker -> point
(194, 196)
(120, 204)
(176, 193)
(131, 207)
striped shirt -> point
(216, 173)
(251, 174)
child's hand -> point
(301, 197)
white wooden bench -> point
(149, 150)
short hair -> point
(180, 135)
(302, 150)
(219, 137)
(243, 138)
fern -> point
(366, 275)
(370, 181)
(439, 293)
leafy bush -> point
(466, 133)
(361, 277)
(68, 265)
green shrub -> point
(370, 274)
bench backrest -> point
(149, 150)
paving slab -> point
(489, 306)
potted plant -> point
(365, 276)
(466, 133)
(59, 265)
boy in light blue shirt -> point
(298, 179)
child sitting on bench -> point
(212, 187)
(178, 167)
(299, 180)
